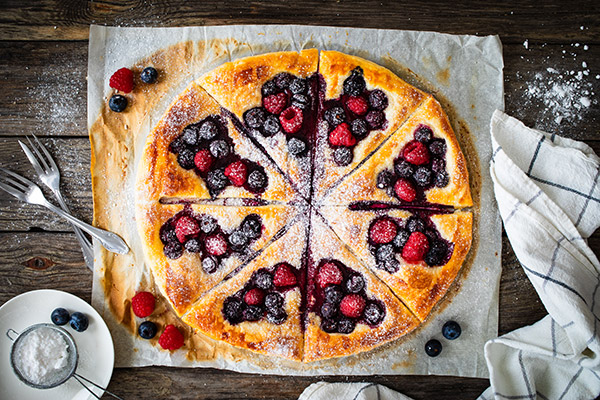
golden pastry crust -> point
(284, 340)
(418, 285)
(403, 100)
(398, 320)
(361, 184)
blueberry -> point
(210, 264)
(298, 86)
(190, 135)
(375, 119)
(300, 101)
(252, 313)
(422, 176)
(269, 88)
(296, 146)
(177, 145)
(185, 158)
(438, 165)
(60, 316)
(277, 316)
(355, 84)
(252, 226)
(208, 130)
(442, 179)
(79, 321)
(271, 126)
(263, 279)
(117, 103)
(424, 134)
(328, 310)
(335, 116)
(359, 128)
(328, 325)
(404, 169)
(167, 234)
(346, 325)
(390, 266)
(415, 224)
(385, 252)
(378, 100)
(437, 147)
(273, 301)
(433, 348)
(219, 148)
(255, 117)
(373, 314)
(193, 245)
(208, 224)
(149, 75)
(343, 156)
(451, 330)
(384, 179)
(238, 240)
(333, 294)
(283, 80)
(173, 250)
(257, 180)
(147, 330)
(232, 310)
(354, 284)
(400, 239)
(437, 252)
(216, 180)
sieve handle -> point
(10, 331)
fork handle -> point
(110, 241)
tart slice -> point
(417, 255)
(260, 307)
(421, 163)
(363, 104)
(348, 309)
(191, 248)
(196, 152)
(274, 97)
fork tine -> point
(18, 177)
(47, 153)
(10, 190)
(39, 156)
(32, 159)
(12, 182)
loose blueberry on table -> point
(149, 75)
(451, 330)
(117, 103)
(147, 330)
(433, 348)
(60, 316)
(79, 321)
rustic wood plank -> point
(515, 21)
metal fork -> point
(27, 191)
(48, 172)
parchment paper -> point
(463, 72)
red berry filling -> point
(416, 153)
(416, 247)
(352, 305)
(291, 119)
(341, 136)
(254, 297)
(275, 103)
(185, 227)
(284, 276)
(405, 190)
(329, 274)
(237, 173)
(357, 105)
(383, 231)
(216, 245)
(203, 160)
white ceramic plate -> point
(95, 345)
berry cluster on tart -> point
(305, 205)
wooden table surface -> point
(43, 66)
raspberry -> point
(329, 274)
(203, 160)
(284, 276)
(122, 80)
(237, 173)
(352, 305)
(171, 338)
(216, 245)
(186, 227)
(275, 103)
(254, 297)
(341, 136)
(416, 247)
(291, 119)
(405, 190)
(383, 231)
(416, 153)
(143, 304)
(357, 105)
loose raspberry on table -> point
(415, 248)
(185, 227)
(171, 338)
(357, 105)
(352, 305)
(143, 304)
(383, 231)
(275, 103)
(416, 153)
(329, 274)
(122, 80)
(341, 136)
(291, 119)
(284, 276)
(237, 172)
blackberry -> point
(219, 149)
(359, 128)
(354, 284)
(173, 250)
(301, 101)
(298, 86)
(216, 180)
(437, 147)
(438, 165)
(252, 226)
(252, 313)
(442, 179)
(296, 146)
(193, 245)
(190, 135)
(400, 239)
(437, 253)
(167, 234)
(385, 252)
(346, 325)
(433, 348)
(208, 224)
(328, 325)
(232, 310)
(373, 314)
(384, 179)
(431, 234)
(415, 224)
(210, 264)
(149, 75)
(328, 310)
(263, 279)
(422, 176)
(269, 88)
(273, 301)
(355, 84)
(79, 321)
(185, 158)
(404, 169)
(335, 116)
(117, 103)
(255, 117)
(238, 240)
(208, 130)
(390, 266)
(257, 180)
(60, 316)
(333, 294)
(147, 330)
(378, 100)
(283, 80)
(451, 330)
(375, 119)
(277, 317)
(424, 134)
(271, 126)
(343, 156)
(177, 145)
